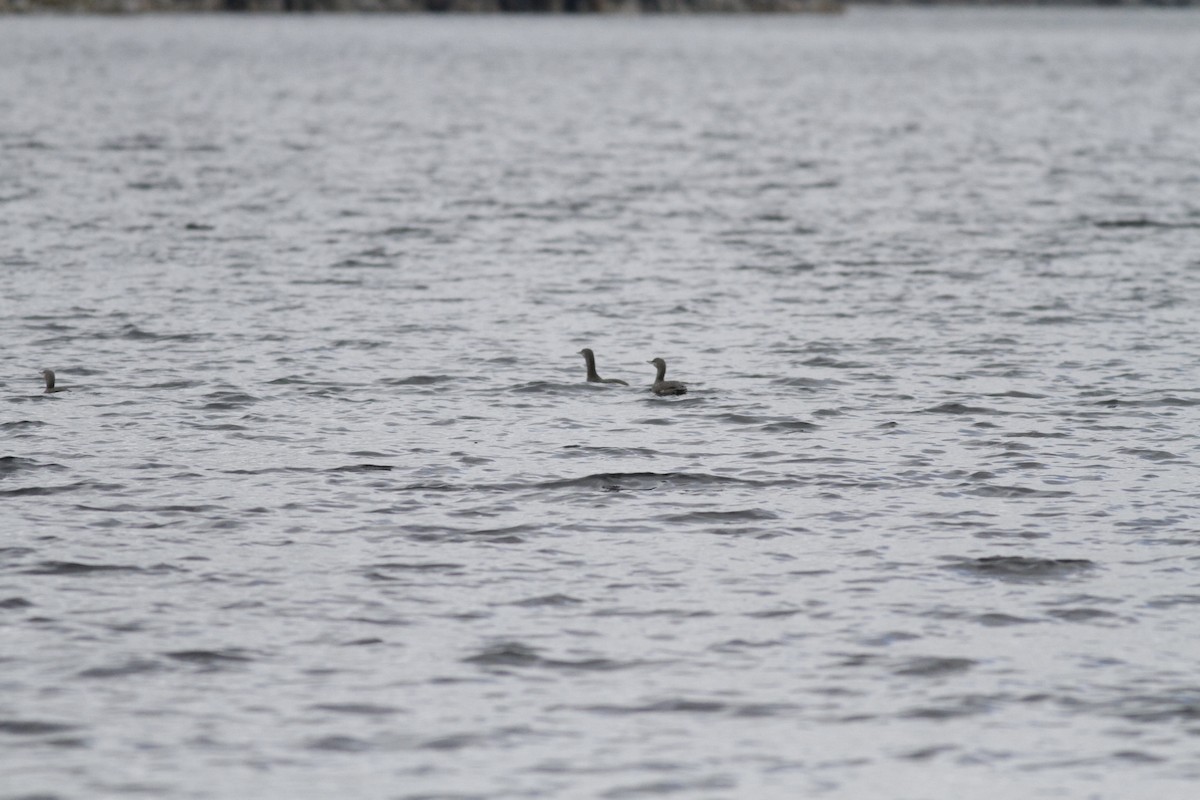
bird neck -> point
(592, 376)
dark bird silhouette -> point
(48, 376)
(592, 377)
(663, 387)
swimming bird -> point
(662, 387)
(48, 375)
(592, 377)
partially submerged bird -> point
(48, 375)
(592, 377)
(662, 387)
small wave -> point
(715, 785)
(1137, 757)
(358, 709)
(669, 706)
(934, 667)
(329, 282)
(228, 401)
(1017, 394)
(340, 744)
(741, 419)
(17, 425)
(33, 727)
(360, 344)
(1037, 435)
(1149, 455)
(179, 508)
(1173, 707)
(926, 753)
(297, 380)
(790, 426)
(670, 613)
(11, 465)
(586, 451)
(362, 263)
(417, 380)
(791, 268)
(405, 232)
(506, 654)
(392, 571)
(550, 387)
(455, 741)
(742, 515)
(655, 420)
(1170, 401)
(516, 654)
(35, 491)
(547, 600)
(1022, 568)
(998, 620)
(134, 333)
(135, 667)
(958, 408)
(957, 707)
(15, 602)
(211, 658)
(768, 424)
(224, 426)
(30, 143)
(1170, 601)
(783, 613)
(1142, 222)
(390, 622)
(1081, 614)
(1167, 401)
(168, 184)
(833, 363)
(647, 481)
(76, 568)
(429, 533)
(1054, 319)
(991, 490)
(807, 383)
(135, 142)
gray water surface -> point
(330, 512)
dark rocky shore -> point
(518, 6)
(402, 6)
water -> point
(329, 510)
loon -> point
(48, 375)
(592, 377)
(662, 387)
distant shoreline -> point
(633, 7)
(120, 7)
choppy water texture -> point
(330, 512)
